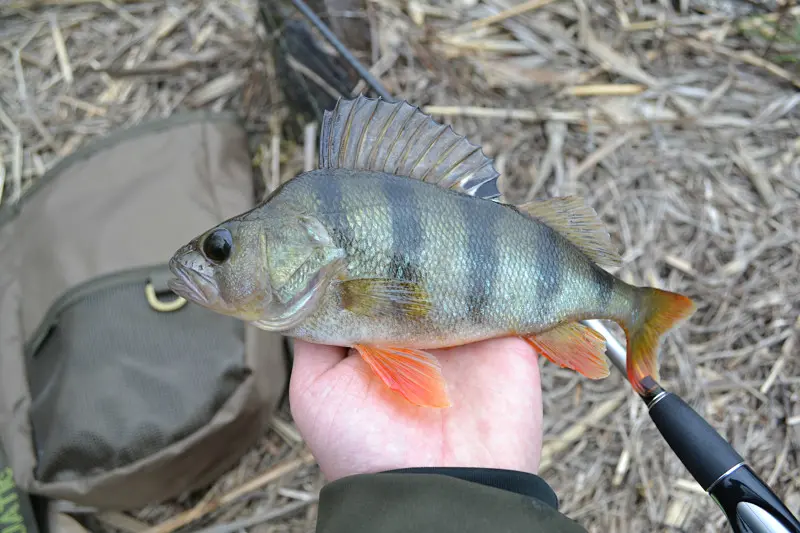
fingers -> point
(313, 360)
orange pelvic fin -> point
(661, 311)
(573, 346)
(415, 374)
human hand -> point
(354, 424)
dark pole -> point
(342, 49)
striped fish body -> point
(398, 244)
(482, 269)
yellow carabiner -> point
(158, 305)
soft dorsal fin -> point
(578, 223)
(398, 138)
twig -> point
(205, 508)
(786, 159)
(275, 151)
(113, 5)
(583, 118)
(313, 76)
(746, 57)
(773, 375)
(61, 48)
(608, 89)
(599, 412)
(680, 264)
(622, 467)
(298, 494)
(418, 10)
(238, 525)
(530, 5)
(16, 169)
(691, 486)
(216, 88)
(487, 45)
(173, 65)
(16, 158)
(780, 461)
(758, 176)
(286, 430)
(91, 109)
(601, 153)
(644, 25)
(553, 159)
(677, 511)
(309, 146)
(31, 4)
(2, 176)
(121, 521)
(617, 62)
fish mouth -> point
(188, 284)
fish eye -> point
(217, 245)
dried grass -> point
(680, 128)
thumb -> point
(312, 360)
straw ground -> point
(678, 121)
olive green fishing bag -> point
(113, 392)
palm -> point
(354, 424)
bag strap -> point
(16, 508)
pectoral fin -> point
(381, 296)
(573, 346)
(415, 374)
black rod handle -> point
(703, 451)
(750, 505)
(747, 501)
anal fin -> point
(414, 374)
(578, 223)
(573, 346)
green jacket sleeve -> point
(441, 500)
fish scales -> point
(444, 261)
(483, 254)
(398, 243)
(408, 233)
(488, 270)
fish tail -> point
(659, 312)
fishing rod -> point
(746, 500)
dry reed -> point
(680, 128)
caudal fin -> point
(661, 311)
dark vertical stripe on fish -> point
(407, 235)
(328, 190)
(482, 254)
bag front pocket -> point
(116, 376)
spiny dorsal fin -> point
(398, 138)
(578, 223)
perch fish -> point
(398, 243)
